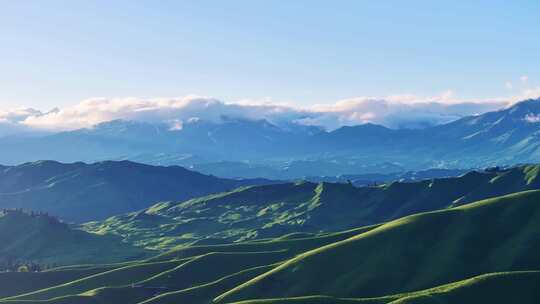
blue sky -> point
(57, 53)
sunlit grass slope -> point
(14, 283)
(117, 277)
(412, 253)
(44, 240)
(215, 268)
(270, 211)
(199, 267)
(505, 287)
(454, 255)
(292, 246)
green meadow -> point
(480, 252)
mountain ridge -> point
(504, 137)
(82, 192)
(268, 211)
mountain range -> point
(83, 192)
(258, 148)
(360, 228)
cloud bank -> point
(12, 122)
(402, 111)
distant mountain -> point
(508, 135)
(262, 149)
(83, 192)
(374, 178)
(269, 211)
(43, 240)
(120, 139)
(299, 169)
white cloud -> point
(509, 85)
(524, 78)
(406, 110)
(18, 115)
(399, 111)
(529, 93)
(392, 111)
(174, 110)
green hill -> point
(485, 251)
(412, 253)
(174, 274)
(506, 287)
(45, 241)
(15, 283)
(84, 192)
(270, 211)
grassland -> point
(505, 287)
(45, 240)
(483, 252)
(413, 253)
(271, 211)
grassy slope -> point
(44, 240)
(293, 246)
(412, 253)
(206, 292)
(506, 287)
(228, 263)
(509, 287)
(84, 192)
(405, 255)
(211, 267)
(15, 283)
(200, 293)
(273, 210)
(116, 277)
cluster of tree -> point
(12, 265)
(34, 214)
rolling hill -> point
(484, 251)
(412, 253)
(156, 275)
(505, 287)
(45, 241)
(269, 211)
(82, 192)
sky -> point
(307, 54)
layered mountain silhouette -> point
(270, 211)
(82, 192)
(260, 148)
